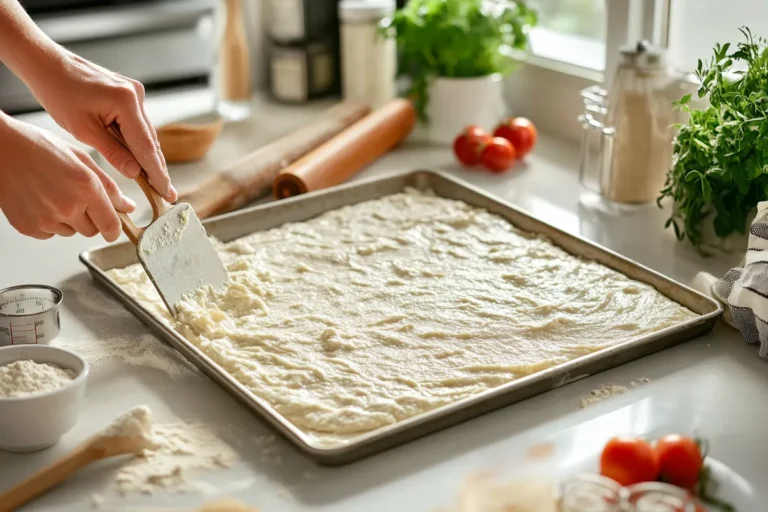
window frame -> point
(544, 80)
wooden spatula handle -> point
(46, 478)
(159, 207)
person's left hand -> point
(84, 98)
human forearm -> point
(24, 48)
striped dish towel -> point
(744, 290)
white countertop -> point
(712, 385)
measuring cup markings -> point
(29, 314)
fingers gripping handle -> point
(157, 203)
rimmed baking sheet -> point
(238, 224)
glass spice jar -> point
(590, 493)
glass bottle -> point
(231, 70)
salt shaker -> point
(630, 128)
(368, 57)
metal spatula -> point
(174, 248)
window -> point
(570, 31)
(695, 26)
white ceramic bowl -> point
(35, 422)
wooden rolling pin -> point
(252, 176)
(350, 151)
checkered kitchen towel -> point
(744, 290)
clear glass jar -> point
(628, 137)
(368, 57)
(658, 497)
(230, 77)
(590, 493)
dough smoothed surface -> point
(376, 312)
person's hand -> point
(49, 187)
(84, 99)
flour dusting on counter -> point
(177, 451)
(376, 312)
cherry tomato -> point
(680, 460)
(629, 460)
(520, 132)
(469, 144)
(498, 155)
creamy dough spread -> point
(376, 312)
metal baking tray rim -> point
(341, 453)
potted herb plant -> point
(455, 53)
(720, 166)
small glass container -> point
(658, 497)
(590, 493)
(628, 137)
(230, 77)
(368, 57)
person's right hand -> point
(49, 187)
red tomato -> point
(680, 460)
(520, 132)
(629, 460)
(469, 144)
(498, 155)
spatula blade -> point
(178, 256)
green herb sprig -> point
(457, 39)
(720, 161)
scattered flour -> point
(173, 229)
(608, 390)
(135, 423)
(178, 450)
(144, 350)
(25, 378)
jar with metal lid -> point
(368, 57)
(297, 21)
(658, 497)
(628, 136)
(303, 71)
(590, 493)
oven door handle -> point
(125, 20)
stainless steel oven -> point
(158, 42)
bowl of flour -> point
(42, 389)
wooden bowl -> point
(188, 141)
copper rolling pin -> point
(251, 176)
(348, 152)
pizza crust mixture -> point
(376, 312)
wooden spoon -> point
(187, 142)
(98, 447)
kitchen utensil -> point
(305, 207)
(34, 422)
(252, 175)
(174, 248)
(98, 447)
(627, 139)
(348, 152)
(188, 141)
(29, 313)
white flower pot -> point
(733, 243)
(455, 103)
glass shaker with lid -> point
(628, 134)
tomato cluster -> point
(497, 152)
(674, 459)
